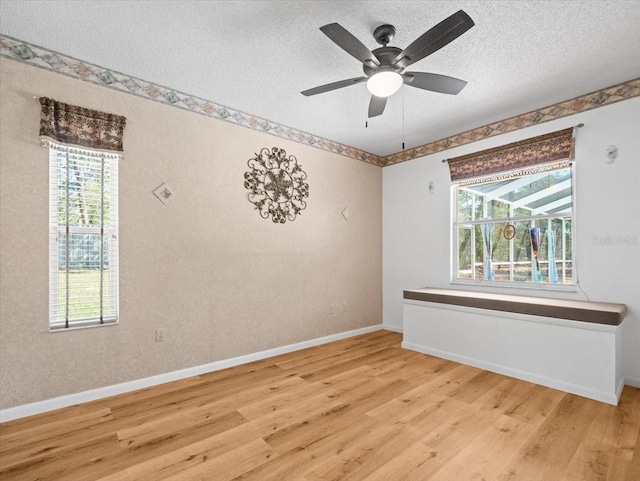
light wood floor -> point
(357, 409)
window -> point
(516, 230)
(83, 237)
(513, 212)
(84, 149)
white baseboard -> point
(387, 327)
(630, 381)
(602, 396)
(99, 393)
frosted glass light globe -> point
(384, 84)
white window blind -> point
(83, 237)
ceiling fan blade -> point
(333, 86)
(377, 105)
(434, 82)
(434, 39)
(347, 42)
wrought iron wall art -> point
(276, 185)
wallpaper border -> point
(592, 100)
(57, 62)
(41, 57)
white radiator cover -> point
(577, 357)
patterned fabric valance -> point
(79, 127)
(542, 149)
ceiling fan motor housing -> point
(386, 56)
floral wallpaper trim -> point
(36, 56)
(599, 98)
(49, 60)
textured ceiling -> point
(256, 56)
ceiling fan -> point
(384, 66)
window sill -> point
(512, 286)
(79, 328)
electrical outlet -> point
(159, 335)
(332, 310)
(344, 307)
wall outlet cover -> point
(159, 335)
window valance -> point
(74, 126)
(543, 149)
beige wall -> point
(222, 281)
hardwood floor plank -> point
(418, 462)
(437, 414)
(369, 452)
(417, 398)
(154, 392)
(347, 415)
(196, 412)
(505, 396)
(348, 380)
(311, 448)
(627, 418)
(361, 408)
(633, 469)
(222, 398)
(608, 447)
(332, 365)
(194, 425)
(460, 429)
(86, 460)
(417, 368)
(489, 451)
(225, 467)
(200, 460)
(534, 405)
(51, 438)
(60, 428)
(550, 449)
(476, 387)
(283, 400)
(380, 338)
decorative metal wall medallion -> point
(276, 185)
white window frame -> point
(59, 322)
(511, 284)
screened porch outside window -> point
(518, 229)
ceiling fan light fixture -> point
(384, 84)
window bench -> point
(574, 346)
